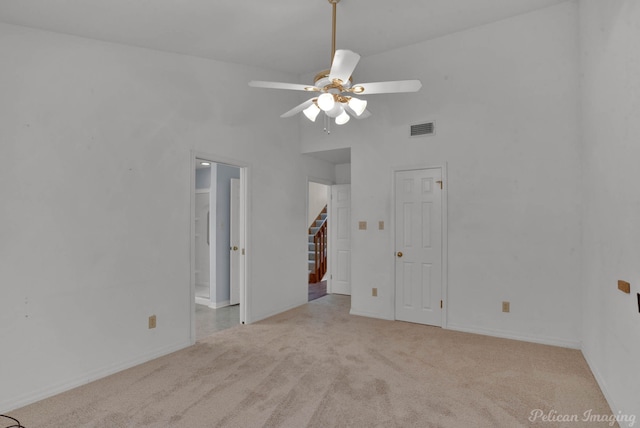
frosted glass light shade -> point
(336, 111)
(312, 112)
(326, 102)
(357, 105)
(342, 118)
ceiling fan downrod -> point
(335, 89)
(334, 3)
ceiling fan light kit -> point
(312, 112)
(336, 89)
(326, 102)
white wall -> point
(611, 132)
(95, 182)
(505, 100)
(343, 173)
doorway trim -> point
(445, 234)
(245, 235)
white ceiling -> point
(287, 35)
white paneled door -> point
(418, 245)
(340, 239)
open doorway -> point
(318, 238)
(336, 193)
(217, 246)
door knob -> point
(399, 253)
(235, 248)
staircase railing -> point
(320, 244)
(320, 250)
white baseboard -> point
(210, 303)
(488, 332)
(273, 313)
(543, 340)
(370, 315)
(601, 383)
(217, 305)
(203, 301)
(88, 377)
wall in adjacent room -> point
(343, 173)
(203, 178)
(318, 199)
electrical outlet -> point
(152, 321)
(362, 225)
(506, 307)
(381, 225)
(374, 292)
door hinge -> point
(440, 183)
(440, 304)
(243, 251)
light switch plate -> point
(381, 225)
(624, 286)
(506, 307)
(362, 225)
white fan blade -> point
(365, 114)
(387, 87)
(279, 85)
(297, 109)
(344, 62)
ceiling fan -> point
(335, 89)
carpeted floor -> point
(317, 290)
(317, 366)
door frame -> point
(445, 234)
(245, 235)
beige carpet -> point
(317, 366)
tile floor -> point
(209, 320)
